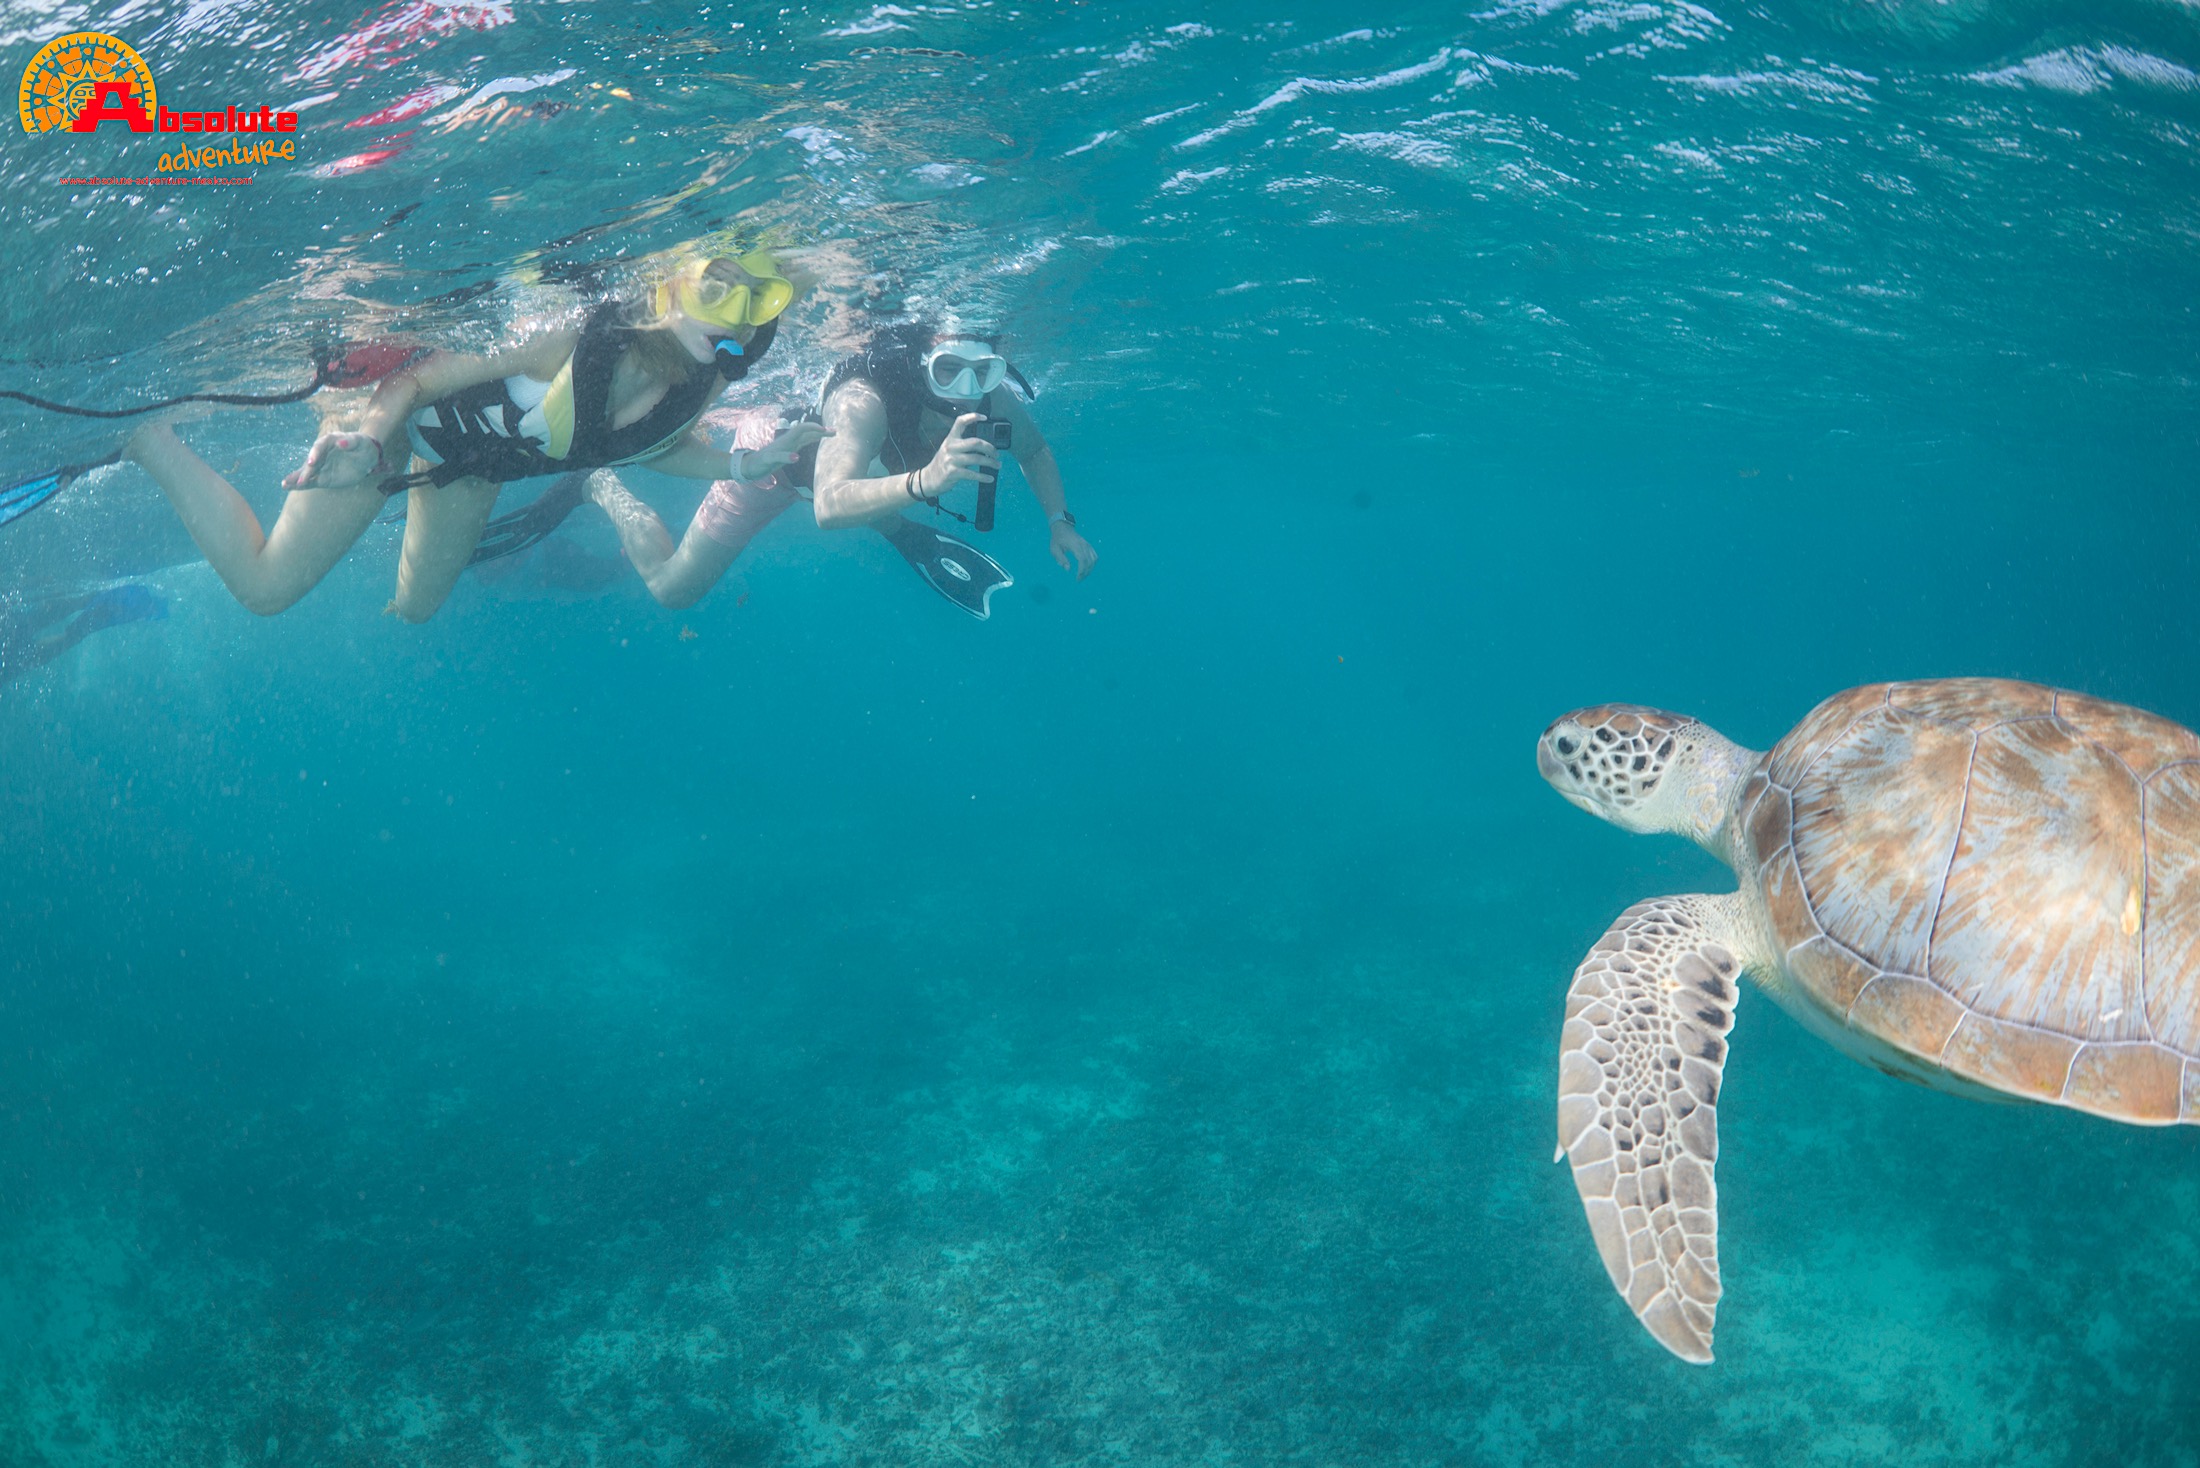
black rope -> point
(323, 375)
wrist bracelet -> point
(1062, 517)
(909, 485)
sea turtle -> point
(1989, 887)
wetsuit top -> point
(518, 428)
(895, 371)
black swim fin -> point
(25, 495)
(508, 535)
(955, 569)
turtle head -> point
(1643, 769)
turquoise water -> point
(1123, 1031)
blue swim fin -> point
(25, 495)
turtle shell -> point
(1998, 879)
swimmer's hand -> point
(337, 461)
(1072, 551)
(752, 465)
(961, 459)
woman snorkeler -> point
(628, 386)
(920, 411)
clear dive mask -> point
(964, 370)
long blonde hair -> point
(662, 355)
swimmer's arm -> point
(1036, 456)
(856, 421)
(1031, 451)
(445, 373)
(336, 459)
(694, 458)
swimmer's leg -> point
(267, 571)
(443, 524)
(96, 611)
(67, 604)
(724, 524)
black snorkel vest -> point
(478, 432)
(894, 365)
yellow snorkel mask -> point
(716, 301)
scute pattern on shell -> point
(2000, 879)
(1640, 1060)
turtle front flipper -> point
(1638, 1092)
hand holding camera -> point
(970, 453)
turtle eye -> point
(1564, 746)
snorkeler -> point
(34, 633)
(626, 387)
(920, 412)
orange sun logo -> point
(65, 75)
